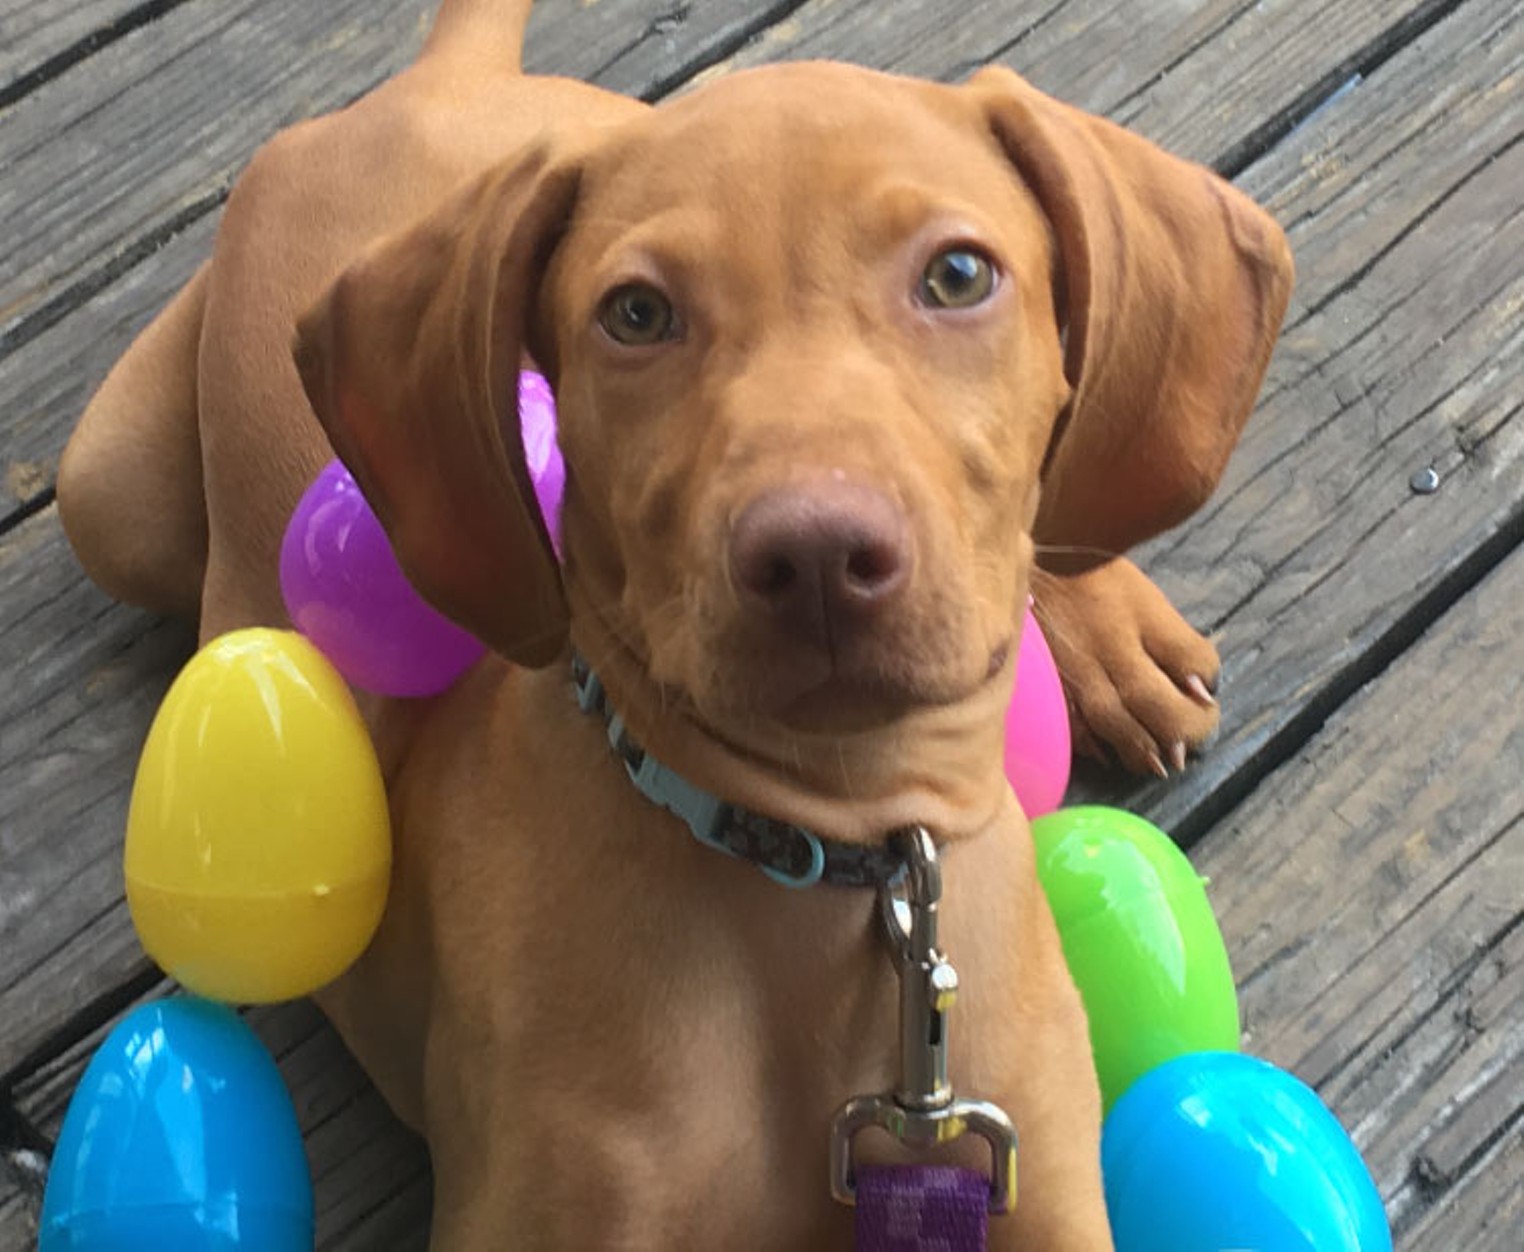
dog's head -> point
(829, 349)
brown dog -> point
(835, 353)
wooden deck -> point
(1362, 815)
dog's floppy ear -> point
(411, 363)
(1172, 284)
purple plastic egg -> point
(537, 425)
(345, 591)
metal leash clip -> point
(922, 1111)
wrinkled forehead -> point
(796, 148)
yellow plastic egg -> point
(258, 841)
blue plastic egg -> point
(180, 1138)
(1217, 1150)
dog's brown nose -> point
(821, 560)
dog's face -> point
(806, 380)
(830, 348)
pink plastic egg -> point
(345, 591)
(1037, 744)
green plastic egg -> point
(1142, 944)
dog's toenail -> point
(1196, 686)
(1155, 764)
(1177, 756)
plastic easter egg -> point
(180, 1138)
(258, 839)
(345, 591)
(1140, 939)
(1218, 1150)
(537, 429)
(1037, 746)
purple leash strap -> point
(921, 1208)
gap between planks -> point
(52, 51)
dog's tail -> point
(490, 28)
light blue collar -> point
(786, 853)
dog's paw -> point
(1138, 678)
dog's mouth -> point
(842, 694)
(849, 693)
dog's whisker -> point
(846, 774)
(1062, 549)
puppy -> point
(846, 366)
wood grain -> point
(1316, 562)
(22, 1169)
(17, 1215)
(641, 48)
(115, 169)
(153, 128)
(1369, 891)
(1160, 68)
(81, 679)
(121, 147)
(45, 384)
(34, 35)
(1484, 1211)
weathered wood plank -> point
(151, 128)
(18, 1232)
(1095, 53)
(1282, 57)
(1484, 1213)
(370, 1175)
(1159, 68)
(1347, 186)
(21, 1174)
(45, 384)
(82, 678)
(32, 35)
(1316, 561)
(155, 126)
(116, 157)
(640, 47)
(1443, 1080)
(1369, 891)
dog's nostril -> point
(779, 575)
(870, 565)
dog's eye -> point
(637, 315)
(957, 279)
